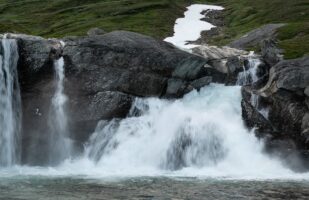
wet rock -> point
(291, 75)
(199, 83)
(305, 127)
(175, 88)
(253, 119)
(307, 102)
(246, 92)
(307, 91)
(285, 130)
(192, 70)
(85, 111)
(234, 65)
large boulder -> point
(291, 75)
(103, 75)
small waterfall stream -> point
(59, 143)
(248, 77)
(10, 104)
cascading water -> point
(248, 77)
(10, 104)
(59, 143)
(201, 134)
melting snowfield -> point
(189, 27)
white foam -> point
(138, 146)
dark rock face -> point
(287, 123)
(254, 37)
(103, 75)
(254, 119)
(291, 75)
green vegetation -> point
(245, 15)
(58, 18)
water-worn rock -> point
(284, 97)
(199, 83)
(286, 111)
(291, 75)
(175, 88)
(253, 119)
(228, 61)
(103, 75)
(307, 91)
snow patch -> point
(190, 27)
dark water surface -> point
(149, 188)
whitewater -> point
(146, 145)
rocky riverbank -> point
(276, 104)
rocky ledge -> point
(104, 72)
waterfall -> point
(59, 143)
(248, 77)
(10, 104)
(202, 133)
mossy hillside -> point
(59, 18)
(242, 16)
